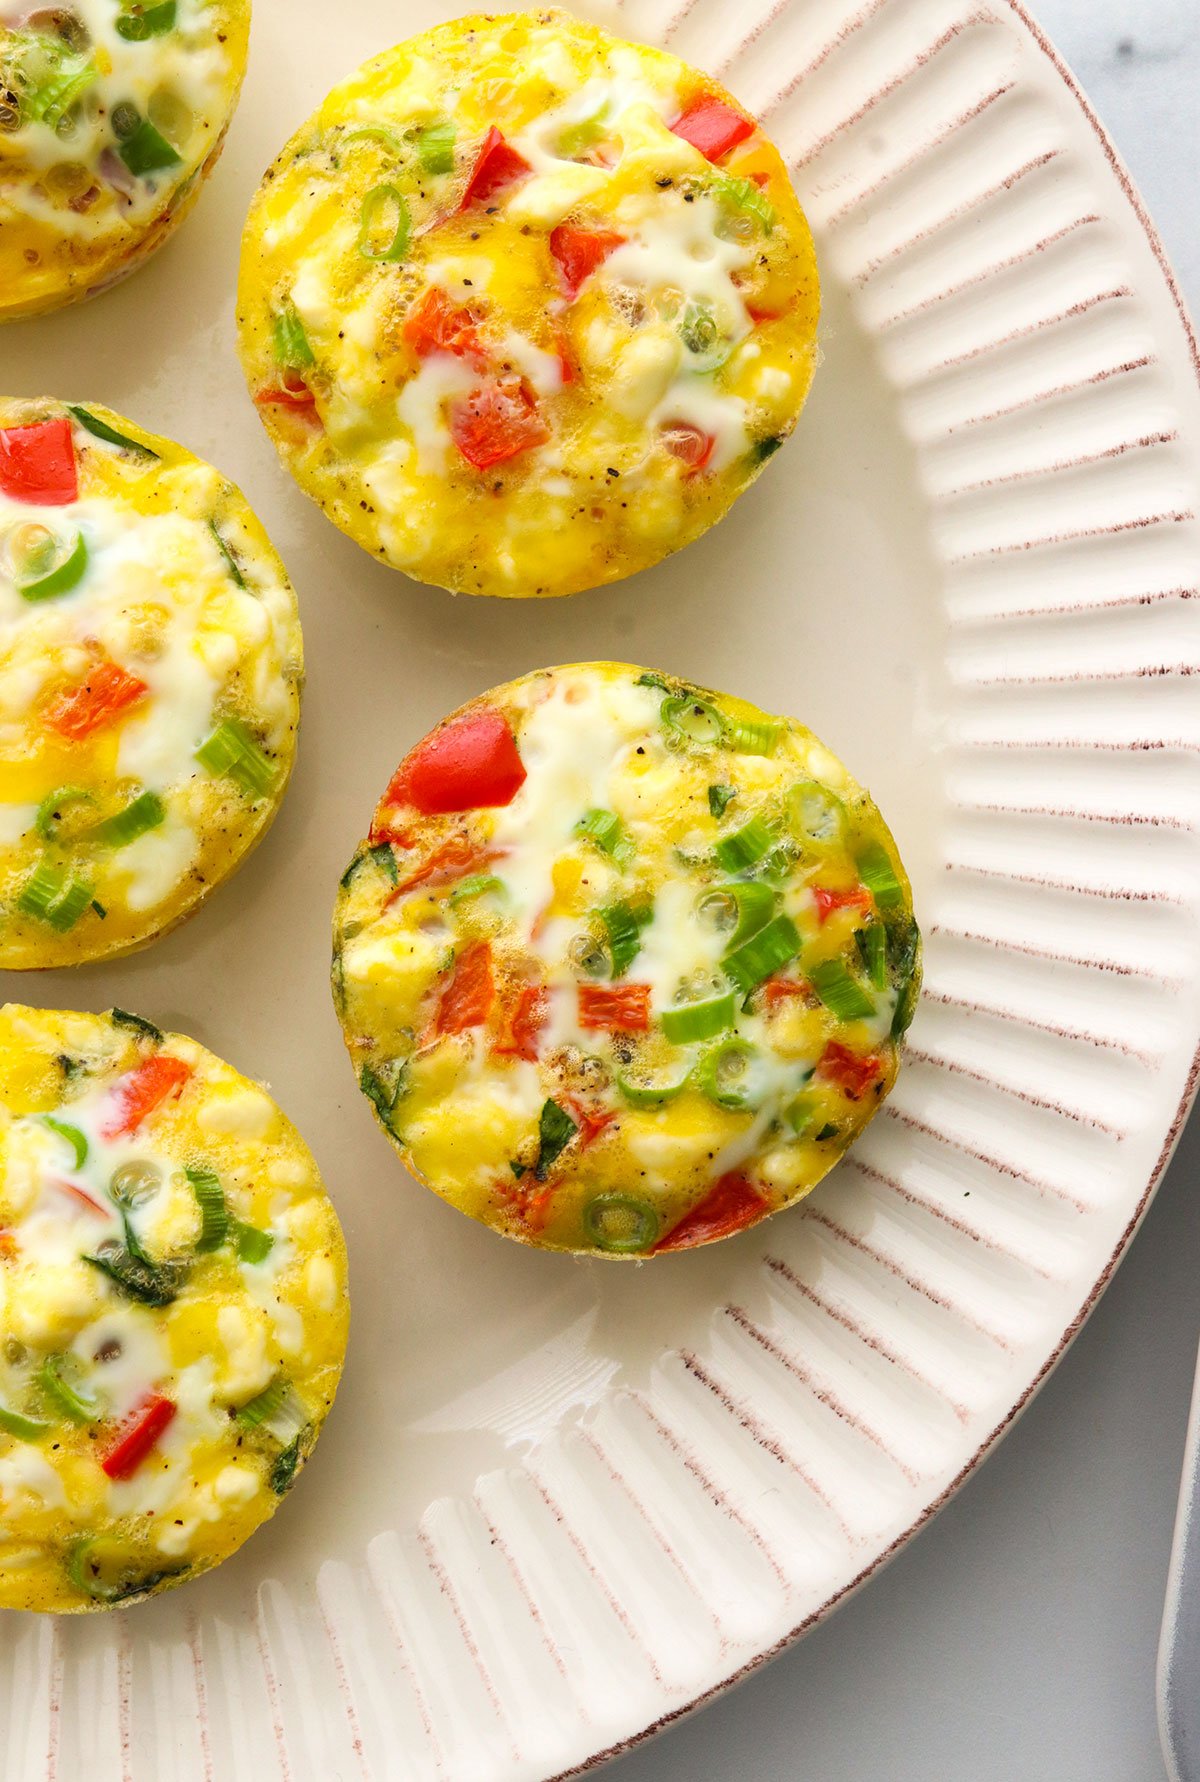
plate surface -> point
(558, 1503)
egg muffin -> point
(525, 307)
(623, 965)
(112, 114)
(150, 668)
(173, 1310)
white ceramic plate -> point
(559, 1503)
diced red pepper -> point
(453, 860)
(497, 421)
(566, 357)
(591, 1123)
(435, 325)
(579, 252)
(99, 699)
(780, 989)
(37, 463)
(852, 1074)
(84, 1199)
(830, 902)
(624, 1008)
(8, 1246)
(691, 445)
(522, 1024)
(302, 400)
(497, 165)
(137, 1436)
(762, 315)
(732, 1205)
(468, 997)
(713, 127)
(135, 1096)
(470, 763)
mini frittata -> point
(624, 965)
(173, 1311)
(150, 669)
(525, 307)
(112, 115)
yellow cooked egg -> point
(150, 669)
(623, 965)
(173, 1312)
(525, 307)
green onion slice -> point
(72, 1136)
(575, 139)
(435, 147)
(624, 932)
(841, 994)
(135, 1024)
(687, 718)
(66, 574)
(801, 1113)
(742, 907)
(733, 1074)
(277, 1409)
(111, 1579)
(50, 811)
(606, 829)
(879, 876)
(720, 798)
(214, 1214)
(132, 1272)
(478, 885)
(289, 340)
(232, 752)
(817, 816)
(253, 1245)
(54, 896)
(93, 424)
(746, 846)
(80, 1407)
(384, 206)
(694, 1021)
(137, 25)
(556, 1129)
(707, 347)
(744, 195)
(620, 1224)
(375, 133)
(53, 76)
(652, 1092)
(231, 562)
(26, 1429)
(146, 812)
(768, 951)
(382, 856)
(146, 150)
(872, 945)
(757, 736)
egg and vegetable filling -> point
(150, 667)
(173, 1310)
(525, 307)
(111, 114)
(623, 965)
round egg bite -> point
(624, 965)
(525, 307)
(112, 115)
(150, 669)
(173, 1311)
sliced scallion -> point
(740, 908)
(746, 846)
(50, 811)
(375, 133)
(112, 1579)
(71, 1135)
(289, 340)
(253, 1245)
(687, 718)
(383, 856)
(841, 994)
(574, 139)
(768, 951)
(620, 1224)
(624, 933)
(435, 147)
(80, 1407)
(232, 752)
(25, 1429)
(266, 1404)
(478, 885)
(801, 1113)
(54, 896)
(146, 150)
(101, 430)
(879, 876)
(733, 1074)
(135, 1024)
(231, 562)
(606, 829)
(385, 224)
(872, 945)
(139, 24)
(744, 195)
(652, 1092)
(817, 816)
(147, 811)
(556, 1129)
(693, 1021)
(753, 736)
(214, 1214)
(720, 798)
(66, 574)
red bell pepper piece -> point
(84, 1199)
(691, 445)
(435, 325)
(37, 463)
(468, 997)
(469, 763)
(137, 1436)
(8, 1246)
(762, 315)
(497, 165)
(852, 1074)
(829, 902)
(713, 127)
(100, 699)
(590, 1123)
(624, 1008)
(301, 400)
(496, 422)
(780, 989)
(453, 860)
(522, 1024)
(137, 1094)
(732, 1205)
(579, 252)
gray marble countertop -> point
(1015, 1639)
